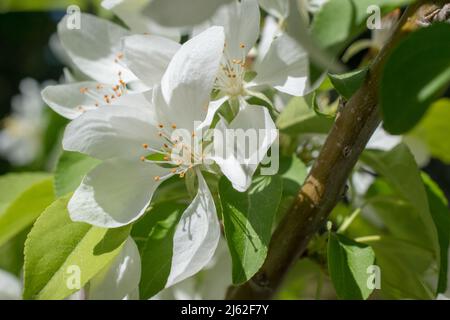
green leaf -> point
(348, 83)
(70, 171)
(56, 243)
(403, 269)
(399, 168)
(441, 216)
(11, 253)
(416, 73)
(347, 264)
(29, 195)
(340, 21)
(298, 118)
(154, 236)
(248, 218)
(400, 218)
(13, 184)
(433, 129)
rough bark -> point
(326, 183)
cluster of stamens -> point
(105, 94)
(177, 155)
(230, 78)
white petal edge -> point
(196, 236)
(112, 131)
(241, 24)
(115, 193)
(148, 56)
(95, 47)
(238, 160)
(285, 67)
(187, 84)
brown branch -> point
(324, 187)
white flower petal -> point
(95, 47)
(120, 278)
(212, 109)
(241, 23)
(148, 56)
(182, 13)
(67, 100)
(196, 237)
(270, 30)
(130, 12)
(237, 159)
(186, 86)
(277, 8)
(112, 131)
(285, 67)
(115, 193)
(10, 287)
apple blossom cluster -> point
(149, 109)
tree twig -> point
(325, 185)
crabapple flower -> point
(22, 132)
(96, 50)
(140, 147)
(284, 65)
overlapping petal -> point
(115, 193)
(241, 24)
(148, 56)
(112, 131)
(284, 67)
(196, 237)
(239, 154)
(186, 86)
(95, 47)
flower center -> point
(178, 152)
(230, 79)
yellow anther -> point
(161, 125)
(173, 170)
(83, 90)
(157, 178)
(242, 45)
(145, 145)
(142, 158)
(174, 126)
(166, 158)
